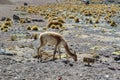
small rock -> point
(111, 68)
(3, 18)
(71, 64)
(106, 63)
(118, 62)
(60, 78)
(25, 4)
(65, 61)
(118, 68)
(28, 60)
(4, 52)
(107, 76)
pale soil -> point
(81, 37)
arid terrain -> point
(91, 30)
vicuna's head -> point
(74, 56)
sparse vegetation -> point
(28, 27)
(97, 20)
(76, 20)
(13, 38)
(88, 60)
(95, 26)
(5, 30)
(2, 28)
(112, 23)
(55, 25)
(35, 36)
(34, 28)
(22, 20)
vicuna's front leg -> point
(59, 53)
(43, 43)
(55, 51)
(39, 56)
(56, 47)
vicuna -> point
(56, 39)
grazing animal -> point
(56, 39)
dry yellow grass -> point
(28, 27)
(34, 36)
(54, 25)
(71, 9)
(34, 28)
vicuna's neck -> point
(68, 50)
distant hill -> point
(5, 2)
(104, 1)
(111, 1)
(17, 2)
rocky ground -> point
(17, 60)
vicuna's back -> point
(52, 37)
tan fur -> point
(56, 39)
